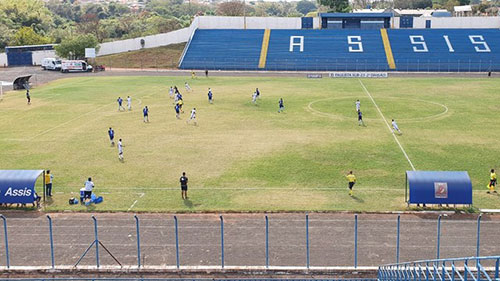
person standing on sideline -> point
(282, 106)
(89, 186)
(145, 112)
(360, 119)
(395, 127)
(111, 134)
(210, 96)
(493, 182)
(358, 105)
(28, 97)
(48, 183)
(120, 150)
(193, 75)
(352, 180)
(206, 73)
(120, 106)
(129, 103)
(184, 186)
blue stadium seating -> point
(223, 49)
(439, 57)
(330, 50)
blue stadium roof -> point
(356, 15)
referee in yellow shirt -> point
(493, 181)
(352, 180)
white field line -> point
(135, 202)
(388, 126)
(123, 189)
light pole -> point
(244, 14)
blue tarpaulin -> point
(18, 186)
(439, 187)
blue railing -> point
(459, 269)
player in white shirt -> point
(193, 116)
(358, 105)
(187, 86)
(129, 103)
(89, 185)
(254, 98)
(120, 150)
(395, 127)
(171, 92)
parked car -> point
(51, 64)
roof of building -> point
(355, 15)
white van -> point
(51, 64)
(75, 66)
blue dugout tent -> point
(18, 186)
(438, 187)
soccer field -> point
(246, 157)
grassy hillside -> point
(161, 57)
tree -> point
(341, 6)
(305, 6)
(450, 4)
(232, 8)
(74, 48)
(27, 36)
(32, 13)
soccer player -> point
(358, 105)
(254, 98)
(177, 111)
(184, 186)
(120, 150)
(193, 116)
(180, 103)
(171, 92)
(193, 75)
(395, 127)
(111, 134)
(129, 103)
(145, 112)
(120, 101)
(187, 86)
(257, 92)
(282, 106)
(352, 181)
(493, 182)
(28, 97)
(210, 96)
(89, 185)
(176, 91)
(360, 119)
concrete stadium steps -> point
(444, 50)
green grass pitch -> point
(246, 157)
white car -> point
(75, 66)
(51, 64)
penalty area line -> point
(386, 123)
(135, 202)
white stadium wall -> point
(38, 56)
(208, 22)
(3, 59)
(458, 22)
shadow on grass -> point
(188, 203)
(359, 200)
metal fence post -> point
(438, 236)
(176, 242)
(222, 240)
(307, 240)
(96, 242)
(51, 241)
(267, 242)
(397, 239)
(355, 241)
(6, 240)
(478, 234)
(138, 241)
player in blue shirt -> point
(111, 134)
(145, 112)
(360, 119)
(210, 96)
(120, 101)
(177, 111)
(282, 106)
